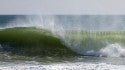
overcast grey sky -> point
(62, 6)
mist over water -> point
(93, 22)
(73, 22)
(69, 22)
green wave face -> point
(32, 41)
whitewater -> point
(64, 66)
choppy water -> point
(76, 63)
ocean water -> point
(62, 42)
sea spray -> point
(40, 22)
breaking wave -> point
(45, 35)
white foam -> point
(113, 50)
(65, 66)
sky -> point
(61, 7)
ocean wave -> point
(32, 41)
